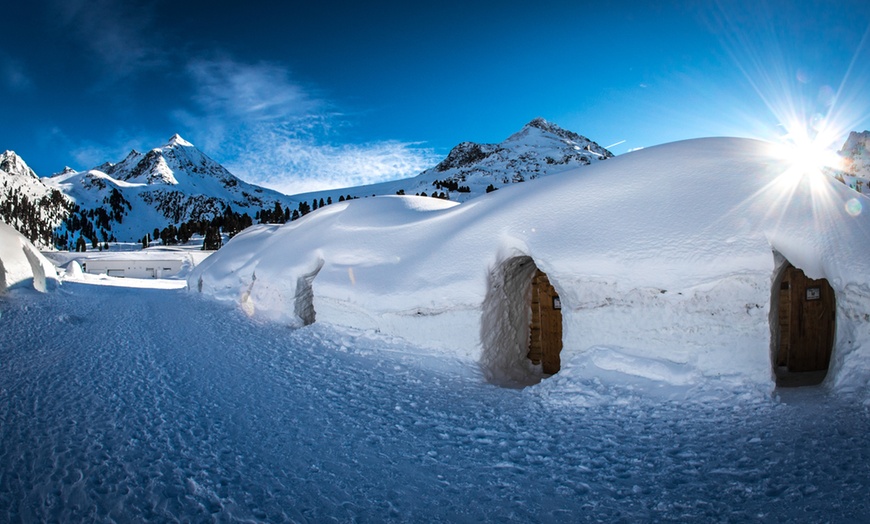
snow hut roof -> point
(672, 215)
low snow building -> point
(132, 266)
(151, 263)
(697, 261)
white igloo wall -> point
(664, 260)
(22, 264)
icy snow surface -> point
(155, 405)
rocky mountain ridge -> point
(167, 186)
(470, 169)
(856, 161)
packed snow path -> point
(124, 404)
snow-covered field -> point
(146, 404)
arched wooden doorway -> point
(806, 316)
(545, 330)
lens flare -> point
(806, 153)
(810, 156)
(854, 207)
(807, 105)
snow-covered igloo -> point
(664, 262)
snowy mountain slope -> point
(13, 165)
(27, 204)
(537, 150)
(856, 160)
(667, 275)
(171, 184)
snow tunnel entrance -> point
(806, 321)
(521, 328)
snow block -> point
(21, 264)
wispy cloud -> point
(293, 164)
(249, 92)
(274, 131)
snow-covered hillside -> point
(668, 274)
(27, 204)
(171, 184)
(856, 160)
(537, 150)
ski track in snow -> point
(154, 405)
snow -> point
(21, 264)
(123, 404)
(352, 365)
(664, 260)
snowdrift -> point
(21, 263)
(666, 262)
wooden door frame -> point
(785, 346)
(545, 329)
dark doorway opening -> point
(806, 316)
(521, 324)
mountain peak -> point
(176, 140)
(544, 125)
(13, 164)
(540, 123)
(66, 171)
(856, 154)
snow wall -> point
(22, 264)
(664, 259)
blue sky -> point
(313, 95)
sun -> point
(809, 153)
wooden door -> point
(545, 333)
(806, 316)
